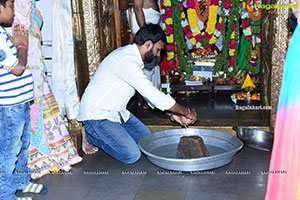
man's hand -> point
(183, 115)
(192, 116)
(189, 119)
(178, 119)
(186, 120)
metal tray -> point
(161, 147)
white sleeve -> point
(132, 73)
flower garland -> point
(232, 47)
(181, 45)
(195, 40)
(212, 20)
(177, 25)
(205, 38)
(192, 17)
(217, 32)
(246, 25)
(253, 66)
(252, 31)
(166, 14)
(205, 17)
(211, 24)
(256, 39)
(255, 16)
(225, 6)
(222, 57)
(234, 43)
(226, 60)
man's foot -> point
(24, 198)
(34, 188)
(86, 147)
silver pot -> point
(255, 138)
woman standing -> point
(51, 148)
(284, 170)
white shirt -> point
(14, 90)
(114, 83)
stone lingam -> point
(191, 147)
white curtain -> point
(63, 68)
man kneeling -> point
(107, 123)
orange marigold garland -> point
(255, 15)
(198, 10)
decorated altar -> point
(224, 34)
(90, 49)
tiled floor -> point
(101, 177)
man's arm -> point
(138, 10)
(134, 76)
(179, 110)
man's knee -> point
(132, 157)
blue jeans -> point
(118, 140)
(14, 141)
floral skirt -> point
(51, 148)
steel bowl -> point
(255, 138)
(161, 147)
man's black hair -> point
(152, 32)
(3, 2)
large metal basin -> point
(161, 147)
